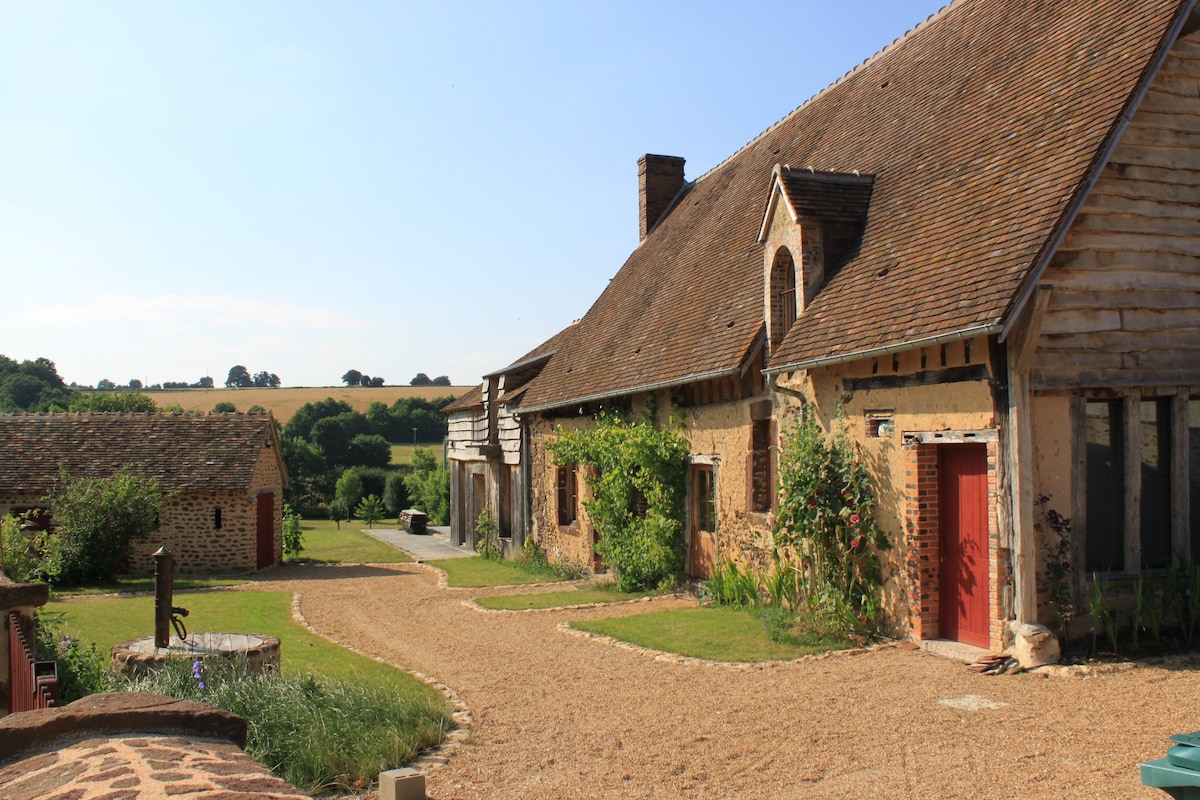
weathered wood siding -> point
(1125, 309)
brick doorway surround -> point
(923, 543)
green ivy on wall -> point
(639, 489)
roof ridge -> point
(868, 60)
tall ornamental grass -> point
(322, 735)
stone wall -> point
(717, 433)
(877, 416)
(188, 527)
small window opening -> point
(880, 424)
(567, 495)
(217, 519)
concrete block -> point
(402, 784)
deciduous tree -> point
(352, 377)
(239, 377)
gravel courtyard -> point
(559, 715)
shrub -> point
(636, 466)
(97, 518)
(293, 536)
(487, 544)
(429, 486)
(22, 552)
(82, 668)
(395, 493)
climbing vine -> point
(638, 484)
(826, 521)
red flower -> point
(855, 542)
(855, 519)
(813, 502)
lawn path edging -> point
(575, 607)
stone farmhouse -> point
(221, 475)
(979, 250)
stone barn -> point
(221, 475)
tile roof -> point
(465, 402)
(183, 452)
(980, 126)
(827, 195)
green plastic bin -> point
(1179, 773)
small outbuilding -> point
(221, 475)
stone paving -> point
(124, 746)
(431, 546)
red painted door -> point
(963, 522)
(266, 530)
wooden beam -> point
(1027, 331)
(978, 372)
(1132, 421)
(1181, 532)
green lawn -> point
(711, 632)
(480, 572)
(606, 593)
(123, 584)
(110, 621)
(324, 543)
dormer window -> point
(783, 296)
(812, 224)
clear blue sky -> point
(399, 187)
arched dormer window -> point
(783, 295)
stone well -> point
(137, 656)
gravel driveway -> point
(559, 715)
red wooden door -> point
(266, 530)
(963, 522)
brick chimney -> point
(659, 179)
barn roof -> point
(183, 452)
(981, 127)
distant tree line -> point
(355, 378)
(325, 440)
(240, 377)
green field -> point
(402, 453)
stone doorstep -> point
(956, 651)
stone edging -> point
(474, 606)
(675, 658)
(461, 714)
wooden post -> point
(164, 589)
(1181, 536)
(1131, 416)
(1021, 350)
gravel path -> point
(558, 715)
